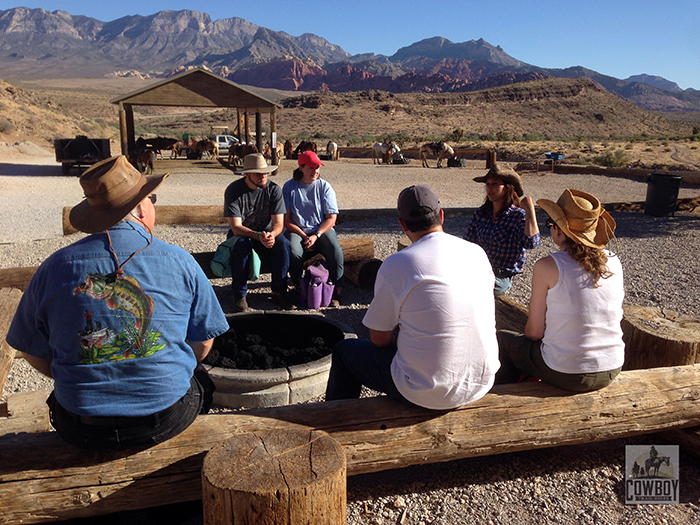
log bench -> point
(44, 479)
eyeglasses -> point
(549, 222)
(153, 197)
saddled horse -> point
(142, 160)
(305, 145)
(163, 143)
(380, 150)
(445, 152)
(653, 465)
(288, 149)
(431, 148)
(207, 146)
(236, 152)
(267, 150)
(332, 151)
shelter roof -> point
(197, 88)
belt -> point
(126, 421)
(500, 273)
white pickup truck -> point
(223, 141)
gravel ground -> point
(573, 484)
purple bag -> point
(315, 290)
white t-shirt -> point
(582, 323)
(439, 291)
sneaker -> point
(281, 300)
(335, 300)
(241, 305)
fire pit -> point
(273, 358)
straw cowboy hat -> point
(112, 187)
(255, 163)
(506, 174)
(581, 217)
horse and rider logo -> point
(651, 474)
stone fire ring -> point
(236, 388)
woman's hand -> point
(309, 241)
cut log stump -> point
(294, 476)
(363, 273)
(657, 338)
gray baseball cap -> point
(413, 198)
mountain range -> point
(35, 43)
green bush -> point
(612, 159)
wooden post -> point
(292, 476)
(258, 130)
(247, 127)
(657, 338)
(9, 300)
(123, 134)
(490, 159)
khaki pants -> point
(519, 355)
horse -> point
(446, 152)
(207, 146)
(236, 152)
(267, 150)
(332, 151)
(655, 463)
(288, 149)
(380, 149)
(162, 143)
(143, 160)
(425, 150)
(305, 145)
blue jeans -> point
(278, 256)
(358, 362)
(327, 245)
(119, 433)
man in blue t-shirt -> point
(120, 320)
(255, 210)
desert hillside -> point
(576, 117)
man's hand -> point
(266, 239)
(309, 241)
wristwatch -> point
(317, 234)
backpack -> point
(315, 289)
(221, 262)
(456, 163)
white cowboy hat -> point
(255, 163)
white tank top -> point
(582, 324)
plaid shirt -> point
(503, 238)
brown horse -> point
(207, 146)
(144, 161)
(288, 149)
(236, 152)
(305, 145)
(431, 148)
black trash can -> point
(662, 194)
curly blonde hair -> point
(593, 260)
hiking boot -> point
(241, 305)
(281, 300)
(335, 300)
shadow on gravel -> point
(32, 170)
(639, 225)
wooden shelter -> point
(203, 89)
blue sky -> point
(614, 37)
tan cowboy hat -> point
(506, 174)
(581, 217)
(112, 187)
(255, 163)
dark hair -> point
(511, 199)
(429, 220)
(298, 174)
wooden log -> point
(284, 477)
(9, 299)
(43, 479)
(25, 412)
(363, 274)
(17, 277)
(655, 337)
(357, 249)
(510, 314)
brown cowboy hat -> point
(112, 187)
(506, 174)
(255, 163)
(581, 217)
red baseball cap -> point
(309, 158)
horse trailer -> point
(80, 151)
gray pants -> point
(520, 355)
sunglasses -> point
(153, 197)
(549, 222)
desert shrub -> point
(488, 137)
(612, 159)
(629, 146)
(696, 130)
(457, 134)
(6, 126)
(534, 137)
(502, 136)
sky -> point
(619, 38)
